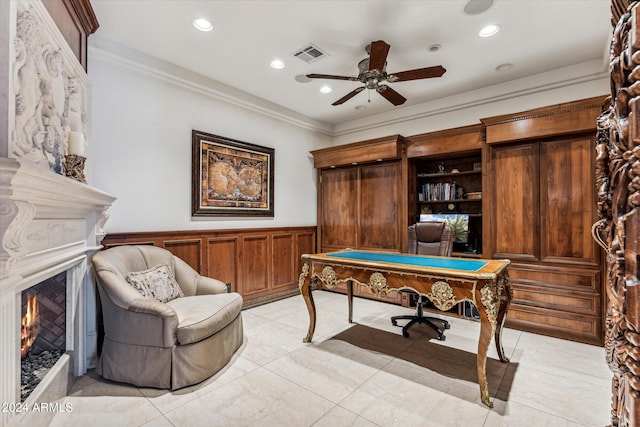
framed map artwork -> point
(230, 178)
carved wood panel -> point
(618, 186)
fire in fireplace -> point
(30, 324)
(43, 330)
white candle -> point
(76, 143)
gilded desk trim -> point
(495, 295)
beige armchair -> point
(170, 344)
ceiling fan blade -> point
(419, 73)
(378, 56)
(349, 96)
(391, 95)
(330, 76)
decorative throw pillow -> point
(156, 283)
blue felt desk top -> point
(415, 260)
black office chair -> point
(427, 238)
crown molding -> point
(119, 55)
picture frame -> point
(230, 177)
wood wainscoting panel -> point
(188, 250)
(305, 244)
(261, 264)
(284, 270)
(255, 264)
(222, 260)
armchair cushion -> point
(156, 283)
(201, 316)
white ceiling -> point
(536, 36)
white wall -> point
(140, 150)
(144, 110)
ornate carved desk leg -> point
(481, 362)
(350, 298)
(488, 310)
(304, 283)
(505, 301)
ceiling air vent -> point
(310, 53)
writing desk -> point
(445, 281)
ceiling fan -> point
(372, 72)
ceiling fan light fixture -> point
(302, 78)
(504, 67)
(489, 30)
(475, 7)
(202, 24)
(325, 89)
(277, 64)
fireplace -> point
(42, 331)
(50, 227)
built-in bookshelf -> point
(453, 186)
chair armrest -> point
(153, 307)
(140, 322)
(209, 285)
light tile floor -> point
(368, 376)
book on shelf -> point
(438, 191)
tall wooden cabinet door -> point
(338, 208)
(378, 206)
(513, 202)
(567, 201)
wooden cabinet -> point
(541, 199)
(362, 198)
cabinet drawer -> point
(559, 324)
(545, 277)
(574, 302)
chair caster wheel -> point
(405, 334)
(447, 326)
(394, 323)
(442, 338)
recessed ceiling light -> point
(325, 89)
(434, 47)
(504, 67)
(302, 78)
(277, 64)
(489, 30)
(202, 24)
(360, 107)
(474, 7)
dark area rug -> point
(420, 350)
